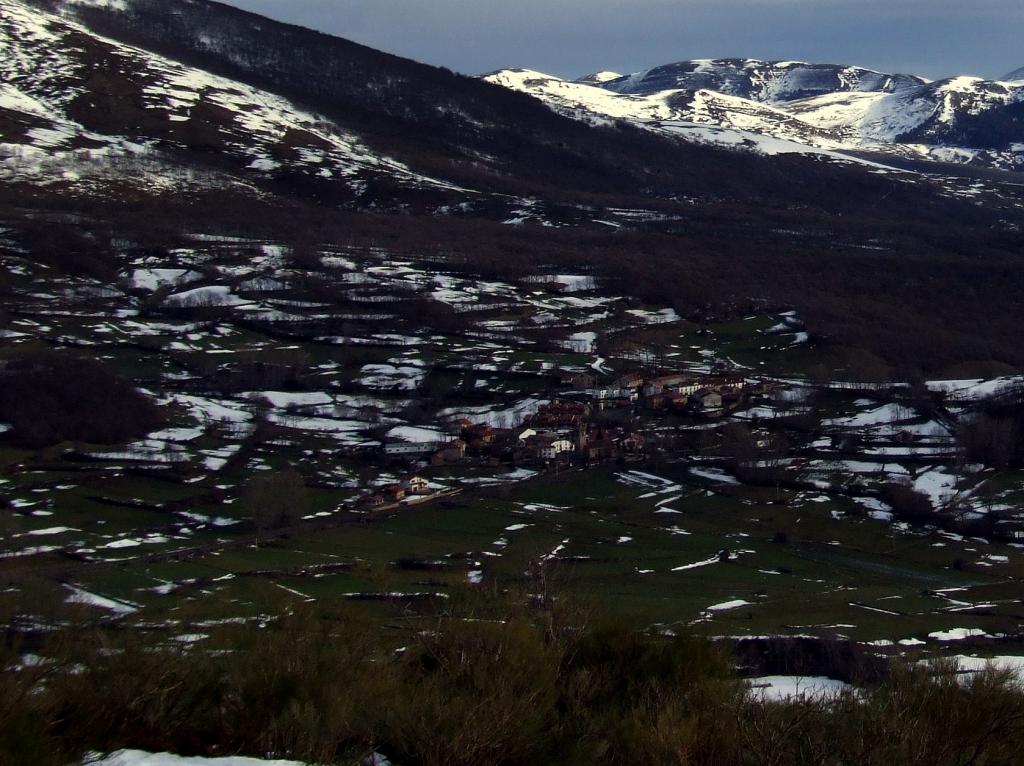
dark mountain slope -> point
(423, 114)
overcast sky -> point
(569, 38)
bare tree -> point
(988, 440)
(6, 526)
(274, 500)
(777, 463)
(305, 255)
(740, 447)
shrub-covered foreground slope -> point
(498, 686)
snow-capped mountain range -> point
(108, 99)
(789, 106)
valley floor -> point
(771, 519)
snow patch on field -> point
(888, 413)
(973, 390)
(505, 417)
(663, 316)
(139, 758)
(958, 634)
(403, 377)
(726, 606)
(154, 279)
(84, 597)
(286, 399)
(213, 295)
(569, 283)
(938, 484)
(786, 688)
(697, 564)
(1006, 663)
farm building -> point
(416, 485)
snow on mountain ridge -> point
(832, 108)
(586, 101)
(765, 81)
(116, 5)
(597, 78)
(44, 76)
(705, 117)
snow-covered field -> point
(792, 688)
(140, 758)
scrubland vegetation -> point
(522, 685)
(49, 397)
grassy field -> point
(679, 554)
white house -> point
(686, 389)
(416, 485)
(605, 394)
(556, 448)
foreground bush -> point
(322, 686)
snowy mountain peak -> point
(764, 81)
(520, 74)
(599, 78)
(1015, 76)
(113, 5)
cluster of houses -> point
(392, 494)
(583, 429)
(570, 430)
(563, 430)
(680, 392)
(560, 431)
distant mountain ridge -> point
(764, 81)
(829, 107)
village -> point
(584, 427)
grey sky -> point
(934, 38)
